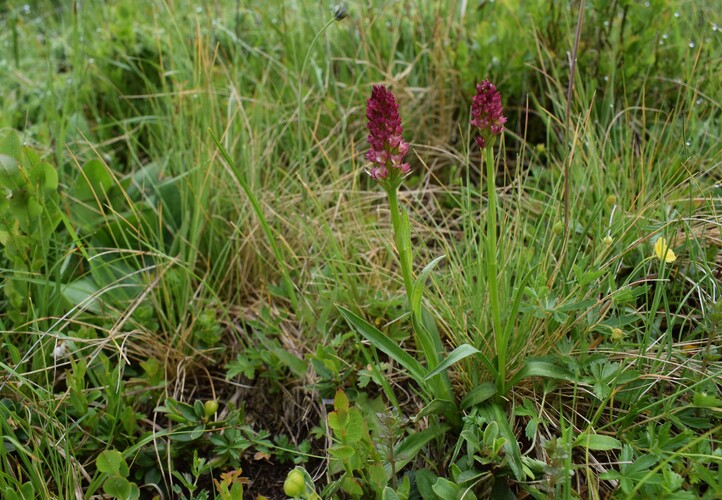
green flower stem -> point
(401, 243)
(429, 343)
(491, 272)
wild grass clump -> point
(205, 294)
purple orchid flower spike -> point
(388, 147)
(487, 113)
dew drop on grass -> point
(691, 45)
(699, 101)
(606, 78)
(688, 143)
(647, 4)
(665, 35)
(91, 61)
(606, 24)
(661, 42)
(715, 27)
(199, 9)
(676, 14)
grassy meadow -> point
(205, 295)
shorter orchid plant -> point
(386, 154)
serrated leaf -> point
(530, 429)
(704, 400)
(356, 426)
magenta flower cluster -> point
(388, 148)
(486, 112)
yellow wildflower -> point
(663, 252)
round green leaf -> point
(109, 462)
(117, 487)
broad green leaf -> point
(117, 487)
(377, 476)
(9, 494)
(197, 432)
(342, 451)
(352, 487)
(10, 175)
(436, 407)
(384, 344)
(446, 490)
(94, 182)
(340, 401)
(44, 176)
(389, 494)
(461, 352)
(538, 368)
(334, 422)
(597, 442)
(425, 480)
(83, 294)
(10, 145)
(478, 395)
(111, 462)
(355, 429)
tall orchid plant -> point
(388, 167)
